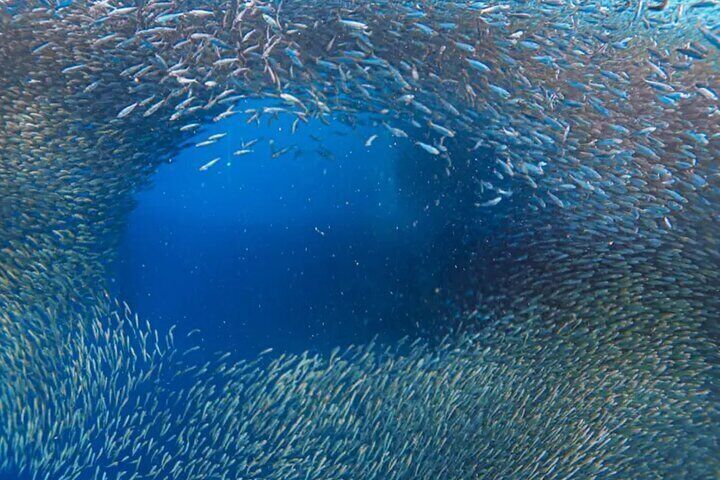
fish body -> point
(209, 164)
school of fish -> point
(589, 128)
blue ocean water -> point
(331, 243)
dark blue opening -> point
(331, 243)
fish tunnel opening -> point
(261, 236)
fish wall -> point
(590, 131)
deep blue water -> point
(330, 244)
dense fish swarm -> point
(593, 126)
(118, 401)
